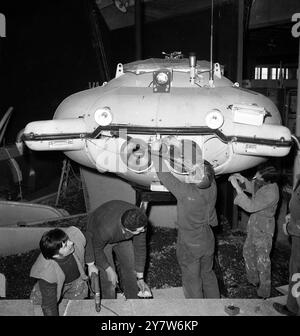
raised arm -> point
(175, 186)
(261, 200)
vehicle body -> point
(111, 127)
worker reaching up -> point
(196, 199)
(259, 197)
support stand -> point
(64, 179)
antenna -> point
(211, 74)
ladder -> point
(64, 179)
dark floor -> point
(163, 270)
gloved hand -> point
(112, 275)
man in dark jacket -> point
(292, 227)
(261, 202)
(117, 226)
(196, 214)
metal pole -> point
(138, 29)
(240, 45)
(297, 158)
(211, 73)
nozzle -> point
(193, 62)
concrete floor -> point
(166, 302)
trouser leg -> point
(190, 273)
(191, 281)
(125, 254)
(208, 276)
(75, 290)
(108, 290)
(294, 272)
(263, 249)
(249, 254)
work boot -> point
(283, 309)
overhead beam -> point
(240, 47)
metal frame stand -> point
(64, 179)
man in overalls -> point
(261, 202)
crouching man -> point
(120, 227)
(59, 269)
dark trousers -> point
(125, 255)
(196, 263)
(294, 270)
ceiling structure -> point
(153, 10)
(121, 13)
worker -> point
(59, 269)
(291, 227)
(196, 198)
(259, 197)
(118, 226)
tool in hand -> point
(96, 286)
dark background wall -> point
(51, 50)
(186, 33)
(46, 55)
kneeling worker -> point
(118, 226)
(59, 269)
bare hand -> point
(143, 287)
(92, 269)
(285, 224)
(239, 177)
(284, 228)
(232, 179)
(112, 275)
(172, 141)
(156, 146)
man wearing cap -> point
(196, 198)
(261, 202)
(117, 226)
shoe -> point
(283, 309)
(264, 292)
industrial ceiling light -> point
(122, 5)
(214, 119)
(161, 81)
(103, 116)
